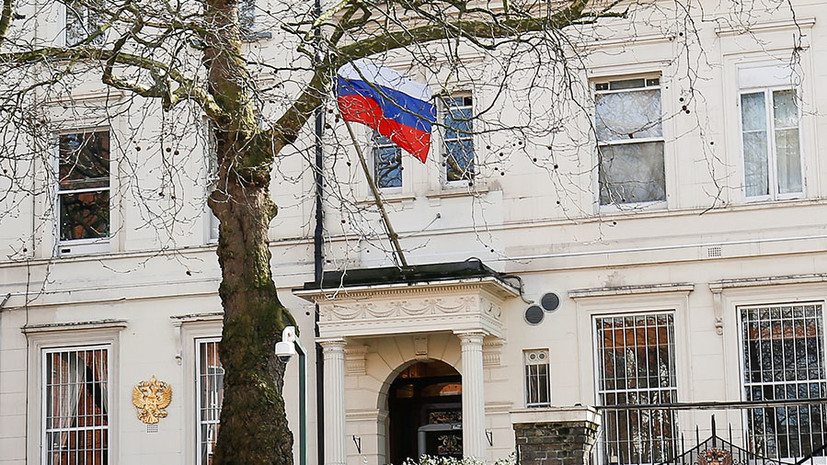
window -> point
(387, 162)
(536, 378)
(83, 188)
(211, 222)
(458, 138)
(83, 19)
(210, 394)
(246, 16)
(770, 135)
(636, 365)
(783, 356)
(75, 418)
(628, 123)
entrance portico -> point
(428, 312)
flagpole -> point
(391, 233)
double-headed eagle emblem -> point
(151, 398)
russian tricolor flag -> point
(393, 105)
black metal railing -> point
(790, 432)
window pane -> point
(754, 136)
(631, 173)
(753, 112)
(628, 115)
(789, 161)
(81, 22)
(756, 174)
(84, 215)
(627, 84)
(387, 163)
(247, 15)
(459, 160)
(84, 160)
(787, 144)
(785, 109)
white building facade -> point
(675, 258)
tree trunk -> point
(254, 427)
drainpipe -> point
(3, 304)
(318, 254)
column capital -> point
(471, 337)
(332, 344)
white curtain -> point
(68, 376)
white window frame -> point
(543, 360)
(80, 246)
(597, 372)
(198, 386)
(646, 76)
(739, 321)
(768, 86)
(56, 336)
(443, 109)
(43, 421)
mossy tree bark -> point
(254, 427)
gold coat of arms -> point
(151, 398)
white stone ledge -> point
(630, 290)
(739, 283)
(556, 415)
(73, 326)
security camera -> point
(287, 347)
(285, 350)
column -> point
(473, 398)
(333, 351)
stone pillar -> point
(473, 397)
(334, 401)
(555, 436)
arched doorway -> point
(425, 412)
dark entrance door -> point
(425, 412)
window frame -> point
(772, 158)
(742, 368)
(444, 108)
(645, 76)
(44, 429)
(527, 375)
(199, 422)
(69, 335)
(88, 245)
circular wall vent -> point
(534, 314)
(549, 301)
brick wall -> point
(555, 443)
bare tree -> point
(200, 60)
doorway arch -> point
(425, 412)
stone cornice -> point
(489, 284)
(739, 283)
(74, 326)
(627, 290)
